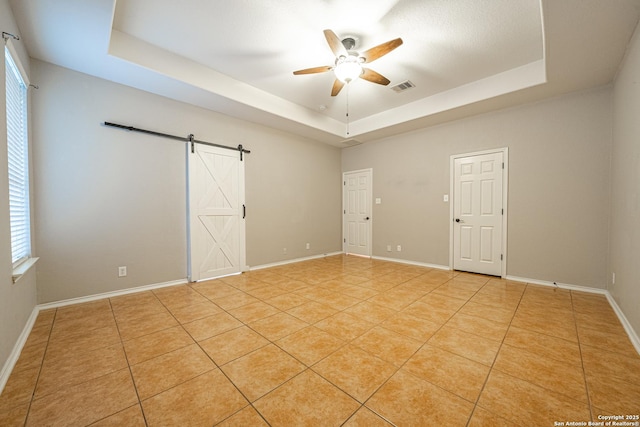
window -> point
(17, 149)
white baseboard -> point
(291, 261)
(17, 349)
(416, 263)
(112, 294)
(558, 285)
(400, 261)
(633, 335)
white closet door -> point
(477, 213)
(357, 212)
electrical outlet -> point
(399, 248)
(445, 198)
(122, 271)
(308, 245)
(388, 248)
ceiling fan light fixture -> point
(347, 68)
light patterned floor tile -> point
(260, 371)
(78, 367)
(366, 418)
(544, 345)
(155, 344)
(278, 326)
(189, 313)
(521, 402)
(563, 378)
(306, 400)
(355, 371)
(130, 417)
(312, 312)
(211, 326)
(85, 403)
(309, 345)
(245, 417)
(204, 400)
(409, 400)
(156, 375)
(233, 344)
(449, 371)
(388, 345)
(340, 340)
(464, 344)
(344, 326)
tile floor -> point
(335, 341)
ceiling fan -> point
(348, 64)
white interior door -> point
(357, 212)
(216, 212)
(478, 213)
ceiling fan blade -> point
(313, 70)
(335, 43)
(374, 77)
(337, 87)
(376, 52)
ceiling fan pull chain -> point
(348, 110)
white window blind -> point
(17, 149)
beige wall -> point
(293, 191)
(17, 301)
(559, 153)
(625, 187)
(106, 198)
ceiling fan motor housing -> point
(349, 43)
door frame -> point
(505, 205)
(370, 222)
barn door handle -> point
(244, 211)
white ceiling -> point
(237, 57)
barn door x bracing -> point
(479, 208)
(216, 212)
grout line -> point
(219, 367)
(126, 357)
(35, 387)
(584, 371)
(484, 384)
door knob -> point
(459, 220)
(367, 218)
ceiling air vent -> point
(401, 87)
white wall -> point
(625, 187)
(107, 198)
(558, 209)
(17, 301)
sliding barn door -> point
(216, 212)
